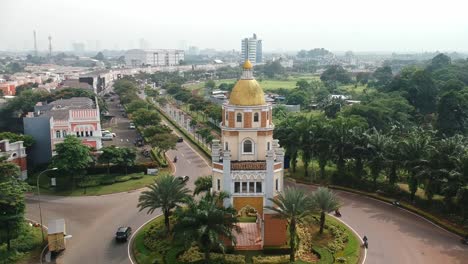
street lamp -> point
(39, 199)
(46, 246)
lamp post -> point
(39, 199)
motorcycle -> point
(337, 213)
(396, 203)
(464, 240)
(175, 159)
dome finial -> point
(247, 65)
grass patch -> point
(131, 183)
(24, 249)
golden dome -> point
(247, 92)
(247, 65)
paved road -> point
(395, 236)
(398, 236)
(93, 220)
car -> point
(107, 136)
(123, 233)
(183, 178)
(131, 125)
(180, 139)
(106, 132)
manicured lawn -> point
(129, 185)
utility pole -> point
(50, 46)
(35, 44)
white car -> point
(107, 136)
(131, 126)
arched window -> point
(248, 146)
(239, 117)
(57, 134)
(256, 117)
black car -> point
(183, 178)
(180, 139)
(123, 233)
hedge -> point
(139, 167)
(284, 259)
(181, 130)
(160, 159)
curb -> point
(384, 202)
(355, 233)
(130, 242)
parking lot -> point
(118, 123)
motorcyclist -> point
(366, 243)
(337, 212)
(175, 159)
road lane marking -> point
(356, 233)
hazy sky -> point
(339, 25)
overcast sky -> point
(338, 25)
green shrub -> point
(137, 176)
(122, 178)
(172, 254)
(284, 259)
(326, 256)
(107, 181)
(89, 183)
(191, 255)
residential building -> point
(15, 153)
(248, 162)
(49, 124)
(159, 57)
(251, 49)
(7, 87)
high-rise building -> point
(78, 47)
(248, 162)
(252, 49)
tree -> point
(144, 117)
(205, 223)
(210, 84)
(28, 140)
(363, 77)
(462, 201)
(110, 154)
(166, 193)
(335, 73)
(136, 105)
(164, 141)
(302, 85)
(72, 158)
(203, 184)
(341, 139)
(99, 56)
(452, 114)
(383, 76)
(377, 144)
(128, 156)
(287, 134)
(321, 143)
(439, 61)
(414, 150)
(325, 201)
(422, 92)
(293, 205)
(12, 203)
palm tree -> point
(206, 223)
(359, 151)
(414, 150)
(377, 143)
(306, 141)
(325, 201)
(288, 135)
(203, 184)
(321, 144)
(166, 193)
(293, 205)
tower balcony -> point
(248, 165)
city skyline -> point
(361, 26)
